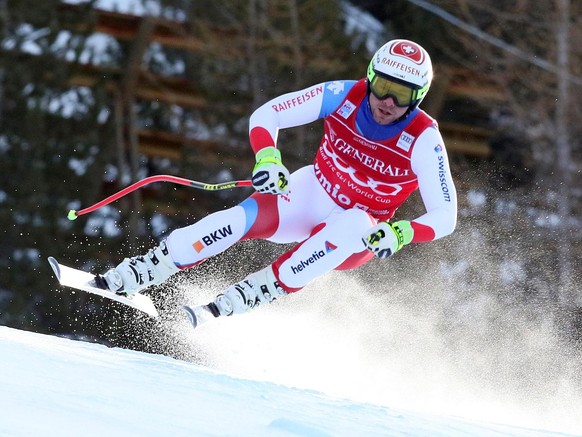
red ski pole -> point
(159, 178)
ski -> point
(84, 281)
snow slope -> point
(55, 386)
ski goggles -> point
(403, 95)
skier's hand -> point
(269, 174)
(385, 239)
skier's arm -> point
(431, 165)
(294, 109)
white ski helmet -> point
(402, 70)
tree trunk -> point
(563, 151)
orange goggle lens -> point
(383, 88)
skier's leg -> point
(207, 237)
(184, 248)
(331, 244)
(281, 219)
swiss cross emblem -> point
(409, 50)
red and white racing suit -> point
(362, 173)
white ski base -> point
(81, 280)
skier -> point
(377, 148)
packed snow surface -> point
(62, 387)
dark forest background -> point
(92, 101)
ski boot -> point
(256, 289)
(137, 273)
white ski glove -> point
(385, 239)
(269, 174)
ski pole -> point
(73, 214)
